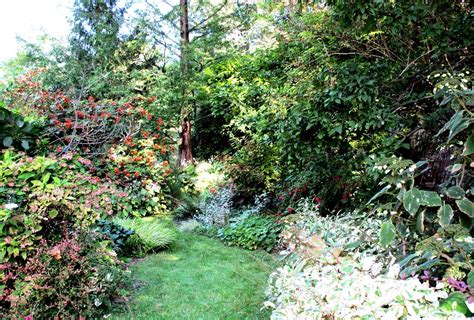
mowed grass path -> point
(200, 278)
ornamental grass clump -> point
(150, 234)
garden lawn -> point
(200, 278)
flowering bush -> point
(124, 142)
(39, 195)
(75, 277)
(141, 169)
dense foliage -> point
(339, 132)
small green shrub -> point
(150, 234)
(252, 232)
(117, 234)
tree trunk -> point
(184, 151)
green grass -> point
(200, 278)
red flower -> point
(117, 170)
(59, 149)
(68, 123)
(337, 178)
(290, 210)
(317, 199)
(160, 121)
(212, 190)
(165, 163)
(163, 150)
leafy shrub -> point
(150, 234)
(337, 267)
(117, 234)
(431, 200)
(344, 288)
(140, 167)
(39, 195)
(215, 206)
(115, 137)
(254, 169)
(349, 232)
(77, 276)
(252, 232)
(16, 131)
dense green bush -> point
(115, 233)
(252, 232)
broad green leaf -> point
(455, 302)
(470, 279)
(420, 221)
(469, 146)
(455, 119)
(430, 199)
(26, 175)
(412, 201)
(456, 168)
(466, 206)
(25, 144)
(460, 127)
(455, 192)
(380, 193)
(445, 214)
(387, 233)
(456, 124)
(53, 213)
(7, 141)
(46, 177)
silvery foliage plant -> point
(215, 209)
